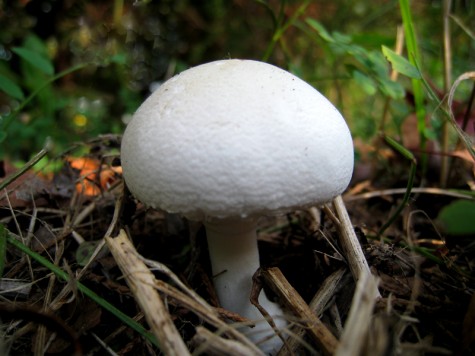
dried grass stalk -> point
(294, 302)
(350, 244)
(142, 285)
(214, 345)
(358, 323)
(318, 304)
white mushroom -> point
(227, 142)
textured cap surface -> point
(236, 138)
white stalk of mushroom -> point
(227, 142)
(234, 260)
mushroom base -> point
(234, 259)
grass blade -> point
(417, 87)
(85, 290)
(35, 59)
(409, 156)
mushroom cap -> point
(236, 138)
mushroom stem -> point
(234, 256)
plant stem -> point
(445, 163)
(408, 155)
(280, 30)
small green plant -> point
(38, 108)
(457, 218)
(369, 69)
(35, 71)
(417, 88)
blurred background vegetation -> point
(72, 70)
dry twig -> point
(214, 345)
(141, 283)
(294, 302)
(350, 244)
(318, 304)
(357, 325)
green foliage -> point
(401, 64)
(458, 218)
(39, 115)
(368, 68)
(417, 88)
(35, 58)
(281, 25)
(35, 69)
(11, 88)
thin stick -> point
(350, 244)
(212, 344)
(359, 320)
(318, 304)
(14, 176)
(466, 140)
(294, 302)
(200, 308)
(141, 283)
(398, 191)
(327, 291)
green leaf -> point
(379, 65)
(3, 136)
(36, 59)
(401, 64)
(430, 133)
(118, 58)
(458, 218)
(365, 82)
(317, 26)
(11, 88)
(341, 38)
(391, 88)
(372, 39)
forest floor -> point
(425, 276)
